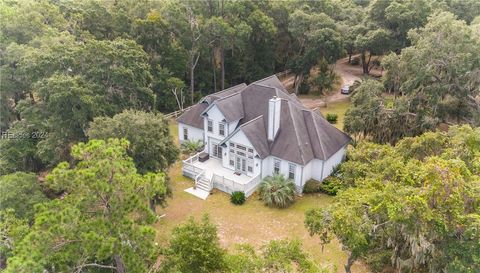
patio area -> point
(214, 166)
(220, 178)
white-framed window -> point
(217, 150)
(209, 125)
(221, 128)
(291, 171)
(185, 133)
(276, 166)
(241, 147)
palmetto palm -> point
(191, 146)
(277, 191)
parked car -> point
(345, 90)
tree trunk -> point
(349, 264)
(152, 205)
(214, 72)
(349, 58)
(222, 63)
(119, 263)
(364, 63)
(297, 82)
(192, 82)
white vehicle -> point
(345, 89)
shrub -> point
(331, 185)
(191, 146)
(194, 247)
(312, 186)
(277, 191)
(237, 197)
(332, 118)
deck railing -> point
(189, 169)
(228, 185)
(218, 181)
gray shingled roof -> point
(193, 116)
(303, 135)
(224, 93)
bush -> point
(277, 191)
(194, 247)
(191, 146)
(237, 197)
(331, 185)
(332, 118)
(312, 186)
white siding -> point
(333, 161)
(316, 169)
(284, 169)
(193, 133)
(241, 138)
(216, 116)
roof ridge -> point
(250, 121)
(271, 76)
(296, 133)
(318, 134)
(224, 90)
(229, 96)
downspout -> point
(323, 163)
(261, 168)
(301, 180)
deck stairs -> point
(203, 183)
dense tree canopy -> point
(435, 80)
(73, 71)
(151, 146)
(101, 222)
(416, 203)
(20, 192)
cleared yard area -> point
(339, 108)
(251, 223)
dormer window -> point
(210, 125)
(221, 129)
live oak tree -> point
(151, 145)
(69, 84)
(416, 202)
(102, 221)
(317, 42)
(274, 256)
(446, 57)
(194, 248)
(20, 193)
(434, 81)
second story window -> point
(221, 128)
(210, 125)
(276, 166)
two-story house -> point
(254, 131)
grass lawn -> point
(339, 108)
(251, 223)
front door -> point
(241, 164)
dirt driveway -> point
(348, 74)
